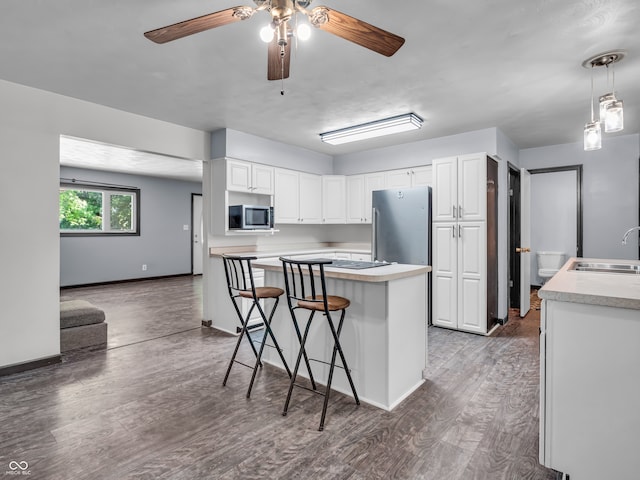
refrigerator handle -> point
(374, 234)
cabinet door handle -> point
(459, 231)
(453, 232)
(454, 211)
(460, 211)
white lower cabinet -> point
(459, 276)
(589, 389)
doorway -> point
(556, 221)
(197, 245)
(514, 237)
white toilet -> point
(548, 264)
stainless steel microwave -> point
(250, 217)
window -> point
(98, 210)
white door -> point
(525, 242)
(197, 248)
(445, 274)
(472, 276)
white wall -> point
(415, 154)
(30, 126)
(163, 245)
(609, 190)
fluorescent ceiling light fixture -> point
(379, 128)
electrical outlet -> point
(144, 267)
(185, 228)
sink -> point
(605, 268)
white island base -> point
(384, 335)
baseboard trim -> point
(23, 367)
(127, 280)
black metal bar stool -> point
(241, 285)
(295, 274)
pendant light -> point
(592, 132)
(611, 108)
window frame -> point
(105, 190)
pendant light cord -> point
(591, 103)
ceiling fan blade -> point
(275, 68)
(356, 31)
(199, 24)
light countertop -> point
(594, 288)
(376, 274)
(285, 251)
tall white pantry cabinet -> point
(464, 271)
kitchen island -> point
(384, 336)
(590, 370)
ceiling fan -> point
(282, 11)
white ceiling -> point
(466, 65)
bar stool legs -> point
(241, 285)
(337, 349)
(269, 332)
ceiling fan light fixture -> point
(303, 31)
(266, 33)
(378, 128)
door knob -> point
(523, 249)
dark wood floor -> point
(145, 310)
(156, 410)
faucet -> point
(624, 239)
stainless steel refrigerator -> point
(402, 226)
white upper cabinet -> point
(397, 179)
(422, 176)
(460, 192)
(249, 177)
(310, 198)
(359, 194)
(286, 202)
(372, 182)
(334, 208)
(355, 198)
(262, 179)
(445, 195)
(409, 177)
(472, 187)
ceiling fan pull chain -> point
(282, 70)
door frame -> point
(513, 238)
(193, 230)
(578, 170)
